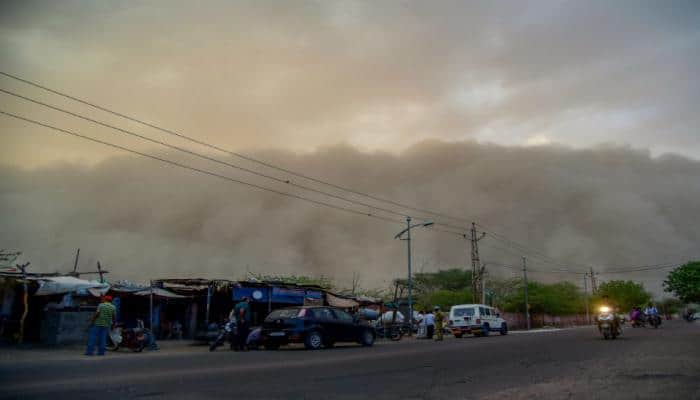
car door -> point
(328, 322)
(347, 329)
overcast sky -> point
(378, 75)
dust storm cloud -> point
(604, 206)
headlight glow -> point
(604, 309)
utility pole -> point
(585, 296)
(594, 286)
(410, 279)
(477, 270)
(527, 304)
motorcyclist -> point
(651, 310)
(635, 314)
(617, 325)
(653, 314)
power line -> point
(236, 154)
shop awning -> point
(158, 292)
(69, 284)
(340, 302)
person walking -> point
(429, 324)
(242, 311)
(439, 321)
(100, 325)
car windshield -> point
(463, 312)
(284, 314)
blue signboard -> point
(280, 295)
(255, 294)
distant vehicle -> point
(226, 332)
(608, 323)
(133, 339)
(316, 327)
(477, 319)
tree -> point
(449, 279)
(562, 298)
(623, 294)
(444, 298)
(684, 282)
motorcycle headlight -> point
(605, 309)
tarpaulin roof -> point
(340, 302)
(159, 293)
(68, 284)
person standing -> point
(439, 320)
(100, 325)
(429, 324)
(242, 311)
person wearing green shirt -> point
(101, 323)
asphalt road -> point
(568, 364)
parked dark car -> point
(316, 327)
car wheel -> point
(504, 329)
(313, 340)
(485, 330)
(367, 338)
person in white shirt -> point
(430, 324)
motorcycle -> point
(608, 325)
(227, 331)
(638, 322)
(133, 339)
(654, 320)
(391, 331)
(690, 316)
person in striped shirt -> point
(100, 325)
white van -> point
(478, 319)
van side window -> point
(488, 311)
(482, 311)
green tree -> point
(562, 298)
(623, 294)
(444, 298)
(670, 306)
(449, 279)
(684, 282)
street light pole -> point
(410, 275)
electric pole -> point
(477, 270)
(585, 296)
(594, 286)
(527, 304)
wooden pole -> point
(75, 264)
(25, 300)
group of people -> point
(637, 314)
(431, 323)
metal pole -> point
(206, 317)
(585, 297)
(527, 304)
(410, 280)
(150, 311)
